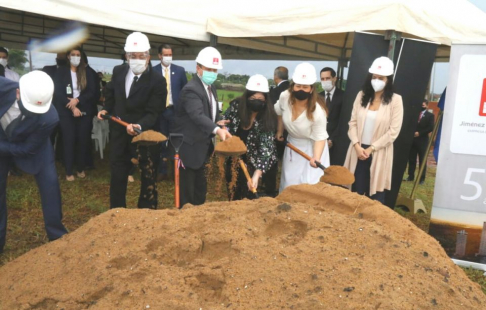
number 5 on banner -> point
(468, 181)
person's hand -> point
(368, 151)
(253, 184)
(279, 136)
(329, 143)
(77, 112)
(130, 130)
(360, 152)
(102, 112)
(416, 134)
(312, 162)
(73, 102)
(223, 122)
(223, 134)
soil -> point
(149, 136)
(314, 247)
(230, 147)
(337, 175)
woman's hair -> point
(81, 69)
(369, 92)
(311, 102)
(267, 117)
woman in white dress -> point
(303, 114)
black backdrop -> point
(412, 77)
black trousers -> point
(193, 186)
(76, 134)
(419, 147)
(362, 177)
(120, 161)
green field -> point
(224, 95)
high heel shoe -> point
(70, 178)
(81, 175)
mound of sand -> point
(314, 247)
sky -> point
(439, 74)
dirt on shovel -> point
(149, 137)
(337, 175)
(231, 147)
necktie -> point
(135, 79)
(210, 102)
(420, 116)
(11, 127)
(328, 100)
(167, 79)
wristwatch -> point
(372, 149)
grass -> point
(84, 199)
(224, 95)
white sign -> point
(468, 134)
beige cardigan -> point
(387, 127)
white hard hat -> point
(257, 83)
(382, 66)
(210, 58)
(137, 42)
(36, 90)
(304, 74)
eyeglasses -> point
(142, 56)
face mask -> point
(209, 77)
(61, 62)
(166, 60)
(256, 105)
(75, 60)
(327, 85)
(302, 95)
(377, 85)
(3, 62)
(423, 109)
(137, 65)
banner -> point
(458, 217)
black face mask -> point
(423, 109)
(61, 62)
(302, 95)
(24, 111)
(256, 105)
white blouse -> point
(74, 77)
(368, 128)
(302, 127)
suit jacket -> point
(86, 97)
(424, 127)
(29, 144)
(97, 89)
(178, 80)
(193, 120)
(50, 70)
(334, 112)
(144, 104)
(276, 91)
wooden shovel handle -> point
(295, 149)
(119, 121)
(245, 171)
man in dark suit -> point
(137, 95)
(333, 97)
(176, 79)
(425, 126)
(269, 179)
(27, 118)
(196, 116)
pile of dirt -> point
(314, 247)
(337, 175)
(230, 147)
(149, 137)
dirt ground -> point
(314, 247)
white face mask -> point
(166, 60)
(75, 60)
(327, 85)
(138, 66)
(377, 85)
(3, 62)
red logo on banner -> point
(215, 61)
(482, 104)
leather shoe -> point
(408, 180)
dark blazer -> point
(334, 112)
(193, 120)
(29, 144)
(86, 98)
(50, 70)
(178, 80)
(276, 91)
(424, 127)
(145, 102)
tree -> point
(17, 59)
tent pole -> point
(213, 40)
(393, 36)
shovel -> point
(176, 140)
(148, 137)
(295, 149)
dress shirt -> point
(10, 115)
(75, 86)
(129, 81)
(331, 93)
(11, 75)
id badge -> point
(69, 91)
